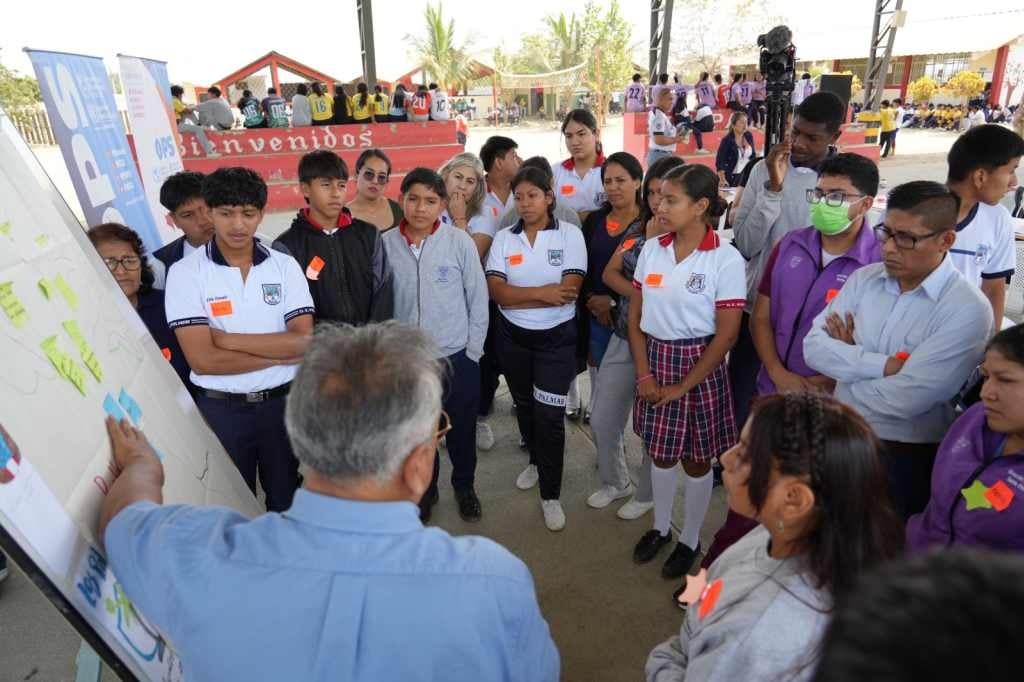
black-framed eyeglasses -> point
(379, 178)
(834, 198)
(129, 263)
(907, 242)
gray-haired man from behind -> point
(337, 587)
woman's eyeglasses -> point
(129, 263)
(379, 178)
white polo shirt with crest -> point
(581, 194)
(680, 300)
(558, 250)
(202, 289)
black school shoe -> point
(675, 598)
(469, 505)
(679, 561)
(427, 506)
(649, 546)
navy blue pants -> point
(490, 371)
(256, 440)
(461, 398)
(744, 364)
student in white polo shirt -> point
(661, 132)
(534, 272)
(501, 163)
(578, 179)
(982, 169)
(463, 176)
(243, 315)
(684, 316)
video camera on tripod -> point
(778, 64)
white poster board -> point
(74, 350)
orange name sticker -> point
(612, 225)
(494, 211)
(709, 598)
(830, 294)
(167, 353)
(1000, 495)
(567, 190)
(314, 268)
(628, 244)
(220, 308)
(654, 279)
(902, 355)
(515, 259)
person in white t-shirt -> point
(439, 108)
(661, 133)
(982, 170)
(975, 117)
(636, 96)
(302, 111)
(463, 176)
(534, 272)
(684, 316)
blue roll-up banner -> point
(84, 117)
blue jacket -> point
(729, 154)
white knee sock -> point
(663, 482)
(592, 373)
(696, 498)
(572, 401)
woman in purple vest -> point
(978, 480)
(806, 269)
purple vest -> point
(800, 290)
(970, 455)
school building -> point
(990, 44)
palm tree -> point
(437, 53)
(566, 35)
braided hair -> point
(828, 445)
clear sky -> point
(207, 41)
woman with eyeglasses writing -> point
(373, 172)
(122, 251)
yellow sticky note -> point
(42, 240)
(46, 288)
(12, 306)
(89, 358)
(66, 291)
(5, 228)
(71, 327)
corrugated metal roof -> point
(969, 33)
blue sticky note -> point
(159, 454)
(5, 453)
(111, 407)
(130, 406)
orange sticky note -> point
(314, 268)
(709, 598)
(494, 211)
(654, 279)
(567, 190)
(830, 294)
(1000, 495)
(515, 259)
(220, 308)
(612, 225)
(902, 355)
(167, 353)
(628, 244)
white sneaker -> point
(528, 478)
(702, 152)
(554, 517)
(484, 436)
(634, 509)
(608, 494)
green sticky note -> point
(71, 327)
(46, 288)
(5, 228)
(12, 306)
(89, 358)
(975, 496)
(66, 291)
(42, 240)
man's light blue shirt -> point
(332, 589)
(944, 324)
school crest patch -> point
(695, 284)
(555, 257)
(795, 261)
(443, 273)
(271, 294)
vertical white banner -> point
(147, 93)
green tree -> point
(16, 91)
(438, 52)
(607, 45)
(707, 33)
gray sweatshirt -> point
(444, 291)
(764, 626)
(764, 217)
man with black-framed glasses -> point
(902, 336)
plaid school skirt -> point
(697, 427)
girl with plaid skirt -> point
(684, 316)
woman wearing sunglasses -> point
(122, 252)
(373, 172)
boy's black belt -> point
(254, 397)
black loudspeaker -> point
(838, 84)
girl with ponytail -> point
(808, 469)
